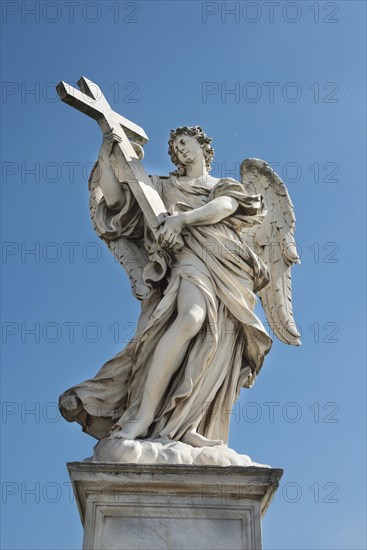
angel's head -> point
(188, 145)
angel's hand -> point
(170, 229)
(109, 140)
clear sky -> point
(281, 81)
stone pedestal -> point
(172, 507)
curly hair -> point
(200, 136)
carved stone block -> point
(141, 507)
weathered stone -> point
(167, 507)
(164, 451)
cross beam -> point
(91, 101)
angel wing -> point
(273, 241)
(128, 253)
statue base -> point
(172, 507)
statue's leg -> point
(168, 356)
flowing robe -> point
(229, 349)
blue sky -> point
(296, 72)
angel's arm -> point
(110, 186)
(212, 212)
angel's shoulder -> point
(229, 181)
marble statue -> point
(198, 250)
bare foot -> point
(196, 440)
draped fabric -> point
(229, 350)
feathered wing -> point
(273, 241)
(131, 255)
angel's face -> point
(187, 149)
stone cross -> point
(91, 101)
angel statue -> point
(198, 340)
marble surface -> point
(165, 507)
